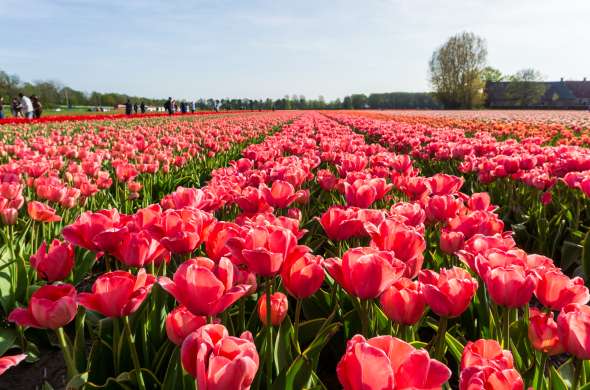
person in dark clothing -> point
(168, 106)
(37, 106)
(1, 107)
(128, 107)
(15, 108)
(183, 107)
(135, 108)
(142, 107)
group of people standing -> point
(134, 108)
(171, 106)
(23, 107)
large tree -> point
(525, 87)
(455, 70)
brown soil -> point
(49, 368)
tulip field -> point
(363, 250)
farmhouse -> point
(553, 94)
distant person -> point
(26, 106)
(15, 108)
(168, 106)
(128, 107)
(193, 107)
(1, 107)
(175, 105)
(142, 107)
(135, 108)
(37, 107)
(183, 108)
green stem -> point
(296, 326)
(364, 317)
(269, 348)
(506, 328)
(577, 373)
(134, 356)
(65, 348)
(440, 338)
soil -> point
(49, 368)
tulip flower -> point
(218, 361)
(385, 362)
(442, 184)
(486, 353)
(7, 362)
(555, 290)
(50, 307)
(573, 325)
(407, 244)
(136, 249)
(510, 286)
(281, 194)
(8, 216)
(181, 231)
(303, 276)
(365, 272)
(542, 332)
(41, 212)
(217, 236)
(279, 306)
(486, 377)
(341, 224)
(117, 294)
(54, 264)
(451, 242)
(89, 225)
(203, 286)
(449, 292)
(403, 302)
(180, 322)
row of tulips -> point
(542, 191)
(376, 278)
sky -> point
(269, 48)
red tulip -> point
(480, 201)
(281, 194)
(137, 249)
(180, 322)
(50, 307)
(442, 184)
(403, 302)
(542, 332)
(218, 361)
(263, 249)
(412, 212)
(486, 353)
(449, 293)
(440, 208)
(217, 236)
(510, 286)
(55, 264)
(204, 287)
(573, 325)
(341, 224)
(490, 378)
(451, 242)
(407, 244)
(41, 212)
(89, 225)
(9, 216)
(118, 293)
(279, 306)
(365, 272)
(181, 231)
(303, 276)
(7, 362)
(555, 290)
(386, 363)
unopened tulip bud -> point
(279, 306)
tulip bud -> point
(180, 322)
(9, 216)
(542, 332)
(279, 306)
(403, 302)
(451, 241)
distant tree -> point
(525, 87)
(359, 100)
(347, 103)
(491, 74)
(455, 70)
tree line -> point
(54, 94)
(459, 73)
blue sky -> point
(269, 48)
